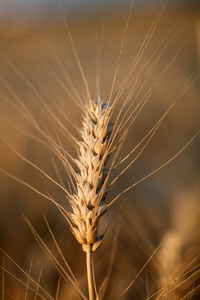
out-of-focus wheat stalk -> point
(178, 258)
(198, 41)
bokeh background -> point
(34, 42)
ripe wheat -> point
(89, 203)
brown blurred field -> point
(148, 212)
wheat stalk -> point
(175, 257)
(88, 203)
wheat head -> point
(88, 203)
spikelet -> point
(88, 203)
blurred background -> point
(35, 57)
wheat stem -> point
(90, 277)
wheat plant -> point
(93, 173)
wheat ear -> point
(88, 203)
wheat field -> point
(150, 248)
